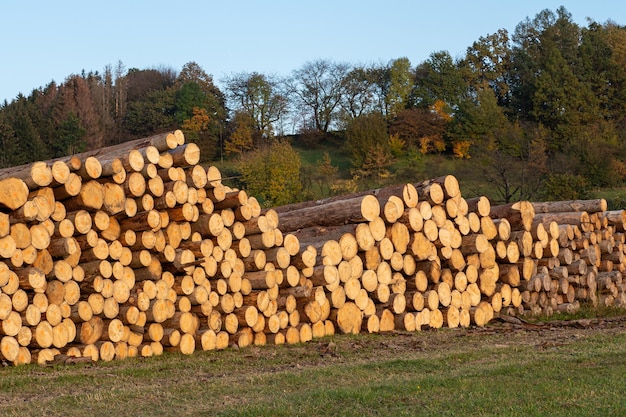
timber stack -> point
(137, 249)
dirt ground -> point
(501, 332)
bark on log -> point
(358, 210)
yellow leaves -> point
(239, 141)
(199, 121)
(343, 186)
(396, 145)
(326, 168)
(441, 108)
(461, 149)
(272, 173)
(432, 144)
(618, 168)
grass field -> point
(574, 369)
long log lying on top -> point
(355, 210)
(380, 193)
(590, 206)
(446, 185)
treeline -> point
(541, 111)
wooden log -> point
(519, 214)
(578, 218)
(590, 206)
(361, 209)
(349, 318)
(13, 193)
(480, 205)
(90, 197)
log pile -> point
(425, 257)
(137, 249)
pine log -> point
(358, 210)
(349, 318)
(590, 206)
(480, 205)
(13, 193)
(519, 214)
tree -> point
(325, 174)
(380, 78)
(120, 100)
(214, 100)
(260, 96)
(75, 97)
(548, 43)
(565, 187)
(400, 85)
(155, 113)
(193, 73)
(272, 174)
(602, 56)
(318, 87)
(595, 152)
(196, 131)
(559, 98)
(107, 109)
(69, 138)
(477, 120)
(509, 156)
(23, 117)
(140, 83)
(9, 144)
(187, 98)
(367, 141)
(241, 137)
(486, 65)
(421, 129)
(358, 97)
(195, 88)
(438, 78)
(376, 164)
(513, 160)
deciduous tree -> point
(486, 65)
(421, 129)
(363, 134)
(261, 97)
(241, 135)
(401, 82)
(439, 78)
(318, 87)
(359, 94)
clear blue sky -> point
(49, 40)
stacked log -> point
(429, 258)
(394, 257)
(591, 254)
(138, 249)
(134, 250)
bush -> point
(272, 174)
(565, 187)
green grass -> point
(339, 158)
(560, 372)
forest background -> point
(536, 114)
